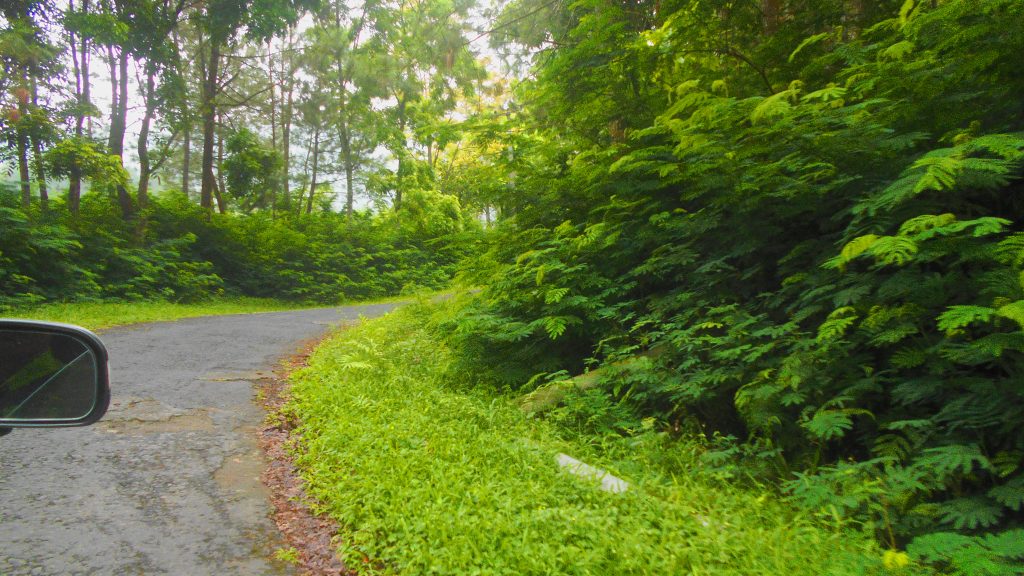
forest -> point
(784, 230)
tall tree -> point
(220, 22)
(83, 110)
(340, 60)
(425, 63)
(26, 57)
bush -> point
(428, 475)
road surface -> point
(168, 482)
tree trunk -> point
(37, 157)
(75, 178)
(349, 193)
(143, 145)
(209, 111)
(23, 174)
(37, 149)
(286, 128)
(219, 191)
(772, 11)
(186, 157)
(312, 182)
(118, 120)
(400, 176)
(273, 96)
(86, 81)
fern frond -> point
(957, 317)
(1010, 495)
(970, 513)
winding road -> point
(168, 481)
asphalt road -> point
(168, 482)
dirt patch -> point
(249, 376)
(241, 473)
(148, 416)
(310, 535)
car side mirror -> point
(51, 375)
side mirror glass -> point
(51, 375)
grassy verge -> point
(426, 479)
(97, 315)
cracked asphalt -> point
(168, 482)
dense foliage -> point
(429, 474)
(185, 256)
(792, 228)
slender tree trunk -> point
(286, 126)
(316, 156)
(286, 136)
(86, 80)
(75, 178)
(273, 95)
(399, 181)
(219, 191)
(349, 177)
(772, 10)
(37, 157)
(23, 173)
(118, 120)
(186, 144)
(37, 147)
(186, 157)
(143, 144)
(24, 176)
(209, 112)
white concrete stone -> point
(609, 483)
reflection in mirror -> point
(46, 376)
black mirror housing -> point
(51, 375)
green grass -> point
(98, 315)
(426, 479)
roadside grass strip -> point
(426, 479)
(98, 315)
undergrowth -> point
(430, 475)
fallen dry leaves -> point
(311, 536)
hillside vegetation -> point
(795, 235)
(428, 473)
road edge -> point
(310, 536)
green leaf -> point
(938, 546)
(829, 424)
(955, 458)
(897, 250)
(970, 513)
(857, 246)
(555, 295)
(810, 41)
(1014, 311)
(773, 107)
(1010, 494)
(898, 51)
(836, 325)
(957, 317)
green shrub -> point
(428, 475)
(816, 251)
